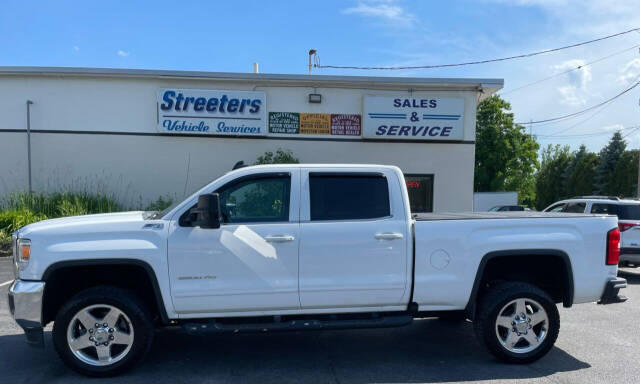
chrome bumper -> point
(25, 304)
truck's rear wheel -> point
(517, 322)
(102, 331)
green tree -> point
(506, 156)
(550, 179)
(281, 156)
(609, 157)
(581, 173)
(624, 177)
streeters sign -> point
(211, 112)
(426, 118)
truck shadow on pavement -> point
(427, 351)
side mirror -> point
(206, 214)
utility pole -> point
(29, 102)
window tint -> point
(575, 207)
(556, 208)
(420, 188)
(256, 200)
(347, 197)
(623, 211)
(602, 208)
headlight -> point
(22, 253)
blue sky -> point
(230, 36)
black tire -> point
(493, 302)
(127, 303)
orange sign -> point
(315, 124)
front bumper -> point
(611, 291)
(25, 304)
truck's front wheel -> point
(102, 331)
(517, 322)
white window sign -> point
(212, 112)
(413, 118)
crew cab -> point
(304, 247)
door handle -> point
(279, 238)
(388, 236)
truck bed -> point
(497, 215)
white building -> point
(141, 134)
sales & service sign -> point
(212, 112)
(413, 118)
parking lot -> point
(597, 344)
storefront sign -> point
(425, 118)
(284, 122)
(315, 123)
(211, 112)
(346, 125)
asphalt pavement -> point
(597, 344)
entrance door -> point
(250, 263)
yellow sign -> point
(315, 123)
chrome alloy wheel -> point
(100, 335)
(522, 325)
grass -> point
(23, 208)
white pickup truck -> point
(304, 247)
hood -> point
(86, 223)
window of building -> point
(348, 196)
(420, 189)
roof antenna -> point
(239, 164)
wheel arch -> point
(139, 267)
(568, 283)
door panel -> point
(355, 261)
(248, 264)
(234, 268)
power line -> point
(582, 111)
(318, 65)
(586, 134)
(570, 70)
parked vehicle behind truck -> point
(304, 247)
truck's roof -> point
(498, 215)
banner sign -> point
(212, 112)
(345, 125)
(315, 123)
(427, 118)
(284, 122)
(294, 123)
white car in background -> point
(628, 212)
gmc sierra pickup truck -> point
(304, 247)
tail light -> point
(613, 246)
(624, 226)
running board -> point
(213, 326)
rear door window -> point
(348, 196)
(575, 207)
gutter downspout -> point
(29, 102)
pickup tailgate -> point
(450, 247)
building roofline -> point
(487, 86)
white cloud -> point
(574, 91)
(613, 127)
(630, 72)
(123, 53)
(387, 10)
(76, 48)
